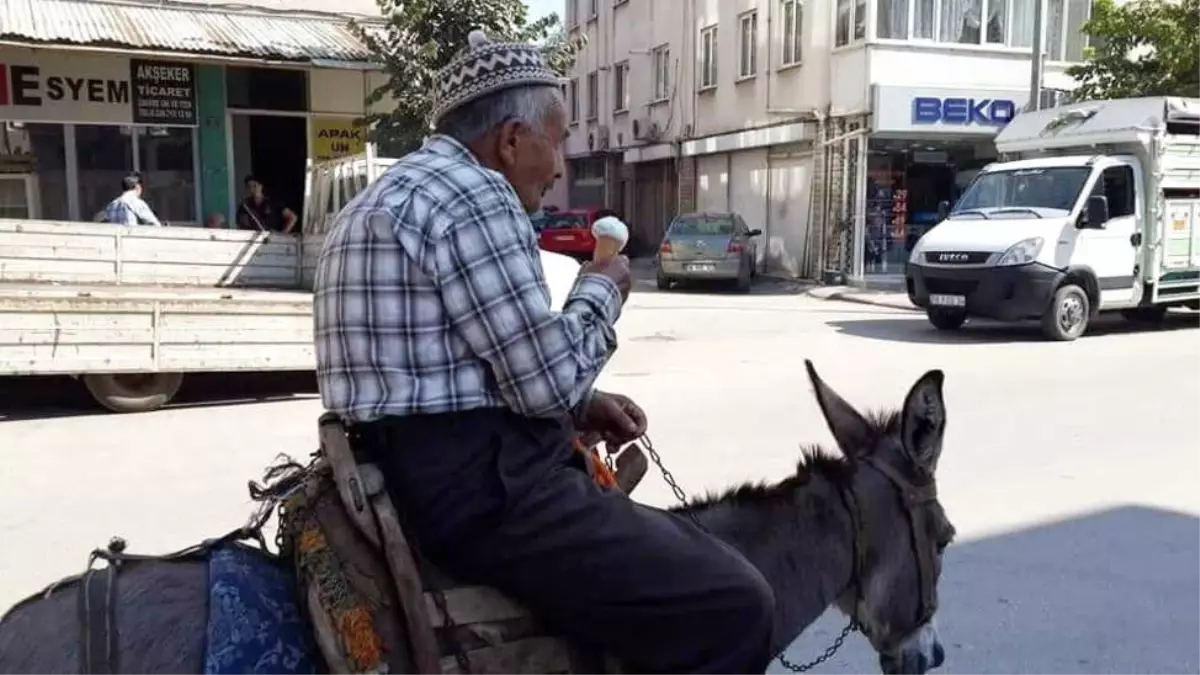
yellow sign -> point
(335, 137)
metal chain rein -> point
(682, 497)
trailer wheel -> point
(1068, 315)
(133, 392)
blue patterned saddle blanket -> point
(255, 624)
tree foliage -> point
(420, 36)
(1143, 48)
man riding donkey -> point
(438, 346)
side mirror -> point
(1097, 211)
(754, 233)
(943, 210)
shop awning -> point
(182, 28)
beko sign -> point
(914, 110)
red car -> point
(568, 231)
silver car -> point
(708, 246)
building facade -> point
(194, 100)
(834, 127)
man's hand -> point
(615, 268)
(615, 417)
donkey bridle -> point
(913, 497)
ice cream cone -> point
(606, 248)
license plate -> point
(947, 300)
(701, 267)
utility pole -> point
(1036, 63)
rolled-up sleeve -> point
(489, 274)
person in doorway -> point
(437, 345)
(259, 212)
(129, 208)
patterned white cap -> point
(486, 67)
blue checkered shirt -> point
(430, 297)
(130, 209)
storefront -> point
(75, 124)
(925, 146)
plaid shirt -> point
(430, 297)
(130, 209)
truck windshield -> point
(1024, 189)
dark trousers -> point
(496, 499)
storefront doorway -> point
(905, 182)
(274, 148)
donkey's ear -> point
(923, 421)
(850, 430)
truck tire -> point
(946, 319)
(133, 392)
(1067, 317)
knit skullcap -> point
(485, 67)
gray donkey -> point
(862, 530)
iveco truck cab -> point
(1094, 207)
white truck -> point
(131, 310)
(1096, 207)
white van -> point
(1098, 210)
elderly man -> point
(437, 344)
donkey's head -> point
(901, 527)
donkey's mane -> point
(814, 460)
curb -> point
(862, 299)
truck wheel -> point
(1068, 314)
(133, 392)
(1145, 315)
(946, 319)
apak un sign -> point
(995, 112)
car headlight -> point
(1022, 252)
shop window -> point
(105, 155)
(33, 162)
(266, 89)
(793, 21)
(708, 57)
(165, 161)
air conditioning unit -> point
(639, 127)
(602, 137)
(653, 131)
(687, 131)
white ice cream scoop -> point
(611, 236)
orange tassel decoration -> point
(603, 475)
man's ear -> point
(508, 139)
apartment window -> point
(793, 21)
(573, 98)
(621, 86)
(748, 49)
(708, 57)
(851, 21)
(1008, 23)
(594, 9)
(662, 73)
(593, 94)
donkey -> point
(861, 530)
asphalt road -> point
(1072, 471)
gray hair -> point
(473, 120)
